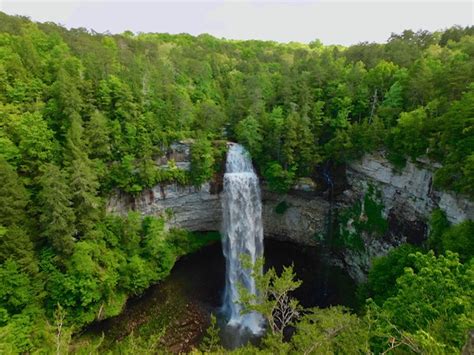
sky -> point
(331, 21)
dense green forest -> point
(83, 114)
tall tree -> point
(83, 180)
(15, 241)
(56, 214)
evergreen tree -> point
(13, 196)
(15, 241)
(97, 133)
(83, 179)
(56, 214)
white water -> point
(242, 233)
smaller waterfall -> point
(242, 233)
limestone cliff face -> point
(302, 215)
(191, 208)
(408, 197)
(188, 207)
(302, 219)
(199, 209)
(410, 192)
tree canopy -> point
(83, 114)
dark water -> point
(184, 301)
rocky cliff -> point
(188, 207)
(408, 192)
(408, 198)
(199, 209)
(302, 215)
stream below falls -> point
(180, 306)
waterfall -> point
(242, 233)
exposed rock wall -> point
(302, 215)
(410, 192)
(191, 208)
(303, 219)
(199, 209)
(409, 199)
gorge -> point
(122, 228)
(407, 196)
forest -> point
(84, 114)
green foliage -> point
(438, 225)
(278, 179)
(83, 114)
(120, 256)
(35, 143)
(375, 221)
(282, 207)
(202, 161)
(211, 341)
(97, 132)
(454, 145)
(317, 331)
(15, 241)
(13, 196)
(56, 215)
(187, 242)
(381, 281)
(330, 331)
(459, 239)
(16, 292)
(409, 137)
(364, 216)
(136, 344)
(367, 137)
(433, 300)
(456, 238)
(248, 132)
(273, 299)
(83, 179)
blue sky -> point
(333, 22)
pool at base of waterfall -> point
(180, 306)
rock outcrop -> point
(410, 191)
(188, 207)
(191, 208)
(302, 215)
(408, 197)
(298, 216)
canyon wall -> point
(302, 215)
(199, 208)
(189, 207)
(408, 197)
(410, 191)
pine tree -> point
(56, 215)
(83, 180)
(290, 144)
(14, 239)
(249, 133)
(84, 185)
(13, 196)
(97, 134)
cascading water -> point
(242, 233)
